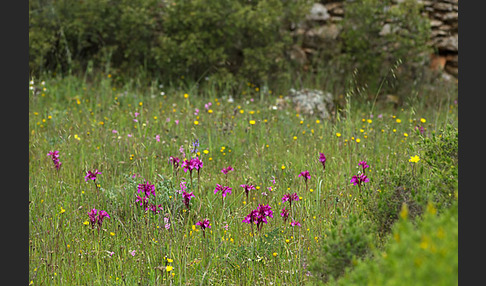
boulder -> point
(312, 101)
(318, 13)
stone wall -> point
(322, 29)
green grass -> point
(78, 119)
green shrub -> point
(385, 210)
(347, 241)
(70, 35)
(434, 178)
(440, 154)
(422, 254)
(194, 39)
(374, 55)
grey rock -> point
(441, 6)
(318, 12)
(312, 101)
(449, 44)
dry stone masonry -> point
(322, 29)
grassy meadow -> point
(128, 137)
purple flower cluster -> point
(203, 224)
(259, 216)
(224, 190)
(187, 198)
(155, 209)
(305, 174)
(290, 198)
(322, 159)
(147, 190)
(421, 129)
(359, 179)
(227, 170)
(191, 164)
(175, 161)
(96, 217)
(248, 188)
(55, 159)
(364, 165)
(91, 175)
(285, 214)
(295, 223)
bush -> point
(435, 180)
(194, 39)
(441, 151)
(375, 52)
(347, 241)
(426, 254)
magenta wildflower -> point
(175, 161)
(295, 223)
(187, 198)
(251, 217)
(421, 129)
(259, 216)
(290, 198)
(247, 188)
(93, 219)
(154, 208)
(204, 224)
(146, 188)
(359, 180)
(91, 175)
(227, 170)
(157, 137)
(188, 165)
(305, 174)
(197, 163)
(183, 187)
(101, 216)
(143, 201)
(322, 159)
(224, 190)
(132, 252)
(364, 165)
(55, 159)
(285, 214)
